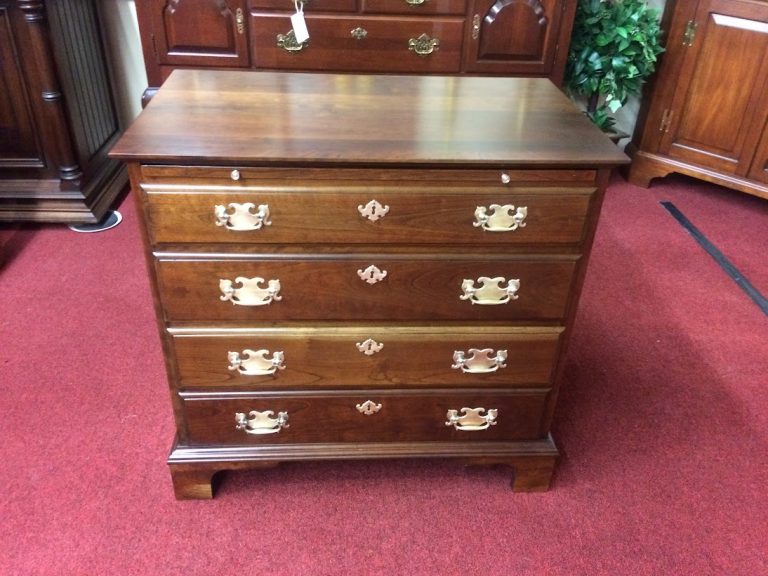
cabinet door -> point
(759, 169)
(19, 147)
(513, 36)
(720, 105)
(200, 32)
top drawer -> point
(472, 210)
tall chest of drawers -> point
(351, 267)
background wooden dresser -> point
(57, 114)
(707, 115)
(364, 266)
(508, 37)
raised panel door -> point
(200, 32)
(19, 147)
(513, 36)
(759, 168)
(720, 106)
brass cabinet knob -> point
(359, 33)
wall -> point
(123, 45)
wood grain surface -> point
(227, 117)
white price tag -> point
(299, 24)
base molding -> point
(43, 200)
(192, 468)
(647, 166)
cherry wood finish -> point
(57, 115)
(415, 288)
(709, 122)
(329, 356)
(315, 147)
(504, 37)
(405, 416)
(441, 214)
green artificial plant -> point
(614, 46)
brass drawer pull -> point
(372, 274)
(288, 42)
(368, 407)
(423, 45)
(479, 361)
(369, 347)
(471, 420)
(250, 293)
(240, 21)
(255, 362)
(373, 210)
(415, 2)
(359, 33)
(491, 292)
(241, 217)
(504, 218)
(261, 422)
(235, 175)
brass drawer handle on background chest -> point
(504, 218)
(480, 361)
(240, 21)
(471, 420)
(241, 217)
(372, 274)
(415, 2)
(423, 45)
(368, 407)
(261, 422)
(373, 210)
(255, 362)
(359, 33)
(288, 42)
(491, 292)
(251, 292)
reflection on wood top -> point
(250, 117)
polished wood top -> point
(231, 117)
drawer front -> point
(415, 7)
(382, 287)
(367, 215)
(375, 356)
(309, 5)
(390, 417)
(358, 44)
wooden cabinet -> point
(353, 275)
(57, 114)
(708, 114)
(199, 32)
(525, 38)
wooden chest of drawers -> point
(364, 267)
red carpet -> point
(663, 425)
